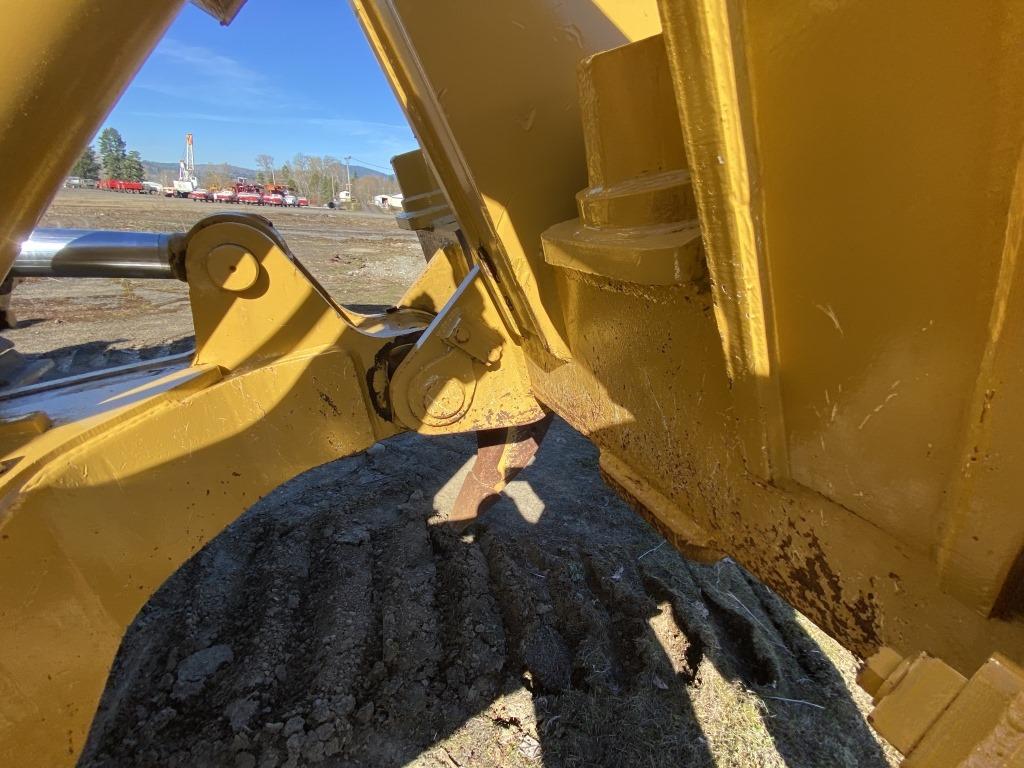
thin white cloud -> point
(344, 125)
(210, 77)
(373, 140)
(356, 127)
(217, 89)
(204, 60)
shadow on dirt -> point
(340, 622)
(29, 322)
(368, 309)
(98, 355)
(658, 648)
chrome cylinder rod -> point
(93, 253)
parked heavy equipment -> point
(764, 255)
(187, 181)
(274, 194)
(121, 185)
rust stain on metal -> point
(817, 590)
(326, 399)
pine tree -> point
(112, 153)
(132, 167)
(88, 166)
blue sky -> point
(283, 78)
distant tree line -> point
(321, 178)
(114, 161)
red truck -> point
(274, 194)
(120, 185)
(248, 193)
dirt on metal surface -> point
(342, 622)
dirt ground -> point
(340, 622)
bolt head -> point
(443, 399)
(232, 268)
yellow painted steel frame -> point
(825, 384)
(95, 513)
(827, 387)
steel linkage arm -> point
(132, 475)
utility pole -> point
(348, 176)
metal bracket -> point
(483, 345)
(464, 373)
